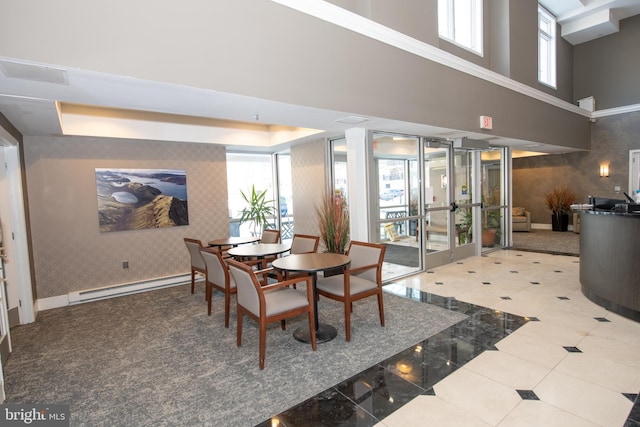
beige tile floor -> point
(574, 389)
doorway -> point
(449, 229)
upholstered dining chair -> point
(302, 244)
(270, 303)
(270, 235)
(197, 263)
(362, 279)
(219, 278)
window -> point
(243, 171)
(546, 47)
(460, 21)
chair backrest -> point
(194, 245)
(303, 244)
(248, 288)
(362, 253)
(217, 269)
(270, 236)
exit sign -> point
(486, 122)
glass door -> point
(494, 200)
(398, 195)
(451, 209)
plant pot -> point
(488, 237)
(560, 222)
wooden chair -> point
(271, 303)
(362, 279)
(270, 236)
(218, 277)
(302, 244)
(197, 263)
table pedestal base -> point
(324, 333)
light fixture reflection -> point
(604, 171)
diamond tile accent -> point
(528, 395)
(439, 283)
(563, 298)
(486, 283)
(602, 319)
(535, 283)
(505, 298)
(572, 349)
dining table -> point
(259, 250)
(232, 241)
(313, 263)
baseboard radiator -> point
(128, 288)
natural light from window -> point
(546, 47)
(460, 21)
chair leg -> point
(227, 307)
(193, 280)
(239, 335)
(283, 324)
(263, 342)
(312, 330)
(347, 320)
(381, 309)
(209, 296)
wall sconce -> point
(604, 171)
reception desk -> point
(610, 260)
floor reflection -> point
(371, 395)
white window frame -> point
(447, 23)
(547, 60)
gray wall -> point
(608, 68)
(612, 138)
(235, 47)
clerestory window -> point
(460, 21)
(546, 47)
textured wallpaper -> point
(70, 253)
(309, 176)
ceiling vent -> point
(38, 73)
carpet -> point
(156, 358)
(547, 241)
(402, 255)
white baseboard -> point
(95, 294)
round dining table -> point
(259, 250)
(313, 263)
(232, 241)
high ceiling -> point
(585, 20)
(43, 100)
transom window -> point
(546, 47)
(460, 21)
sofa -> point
(520, 219)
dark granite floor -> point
(368, 397)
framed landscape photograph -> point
(135, 199)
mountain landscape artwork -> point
(135, 199)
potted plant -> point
(464, 227)
(559, 202)
(333, 217)
(490, 227)
(258, 210)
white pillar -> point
(359, 153)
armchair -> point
(270, 303)
(520, 219)
(362, 279)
